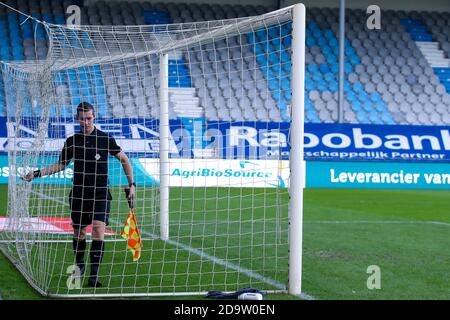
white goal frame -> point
(296, 160)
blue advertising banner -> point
(319, 174)
(377, 142)
(116, 175)
(250, 140)
(377, 175)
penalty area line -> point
(439, 223)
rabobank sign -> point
(377, 142)
(248, 140)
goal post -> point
(297, 166)
(164, 183)
(211, 116)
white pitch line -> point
(377, 222)
(202, 254)
(440, 223)
(189, 222)
(44, 196)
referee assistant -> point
(89, 198)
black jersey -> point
(90, 155)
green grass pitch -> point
(405, 233)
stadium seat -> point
(385, 71)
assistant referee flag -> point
(131, 232)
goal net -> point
(205, 113)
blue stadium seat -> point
(362, 117)
(288, 95)
(276, 69)
(310, 41)
(322, 85)
(274, 58)
(285, 57)
(259, 49)
(416, 29)
(47, 17)
(347, 86)
(334, 67)
(276, 44)
(312, 67)
(351, 97)
(262, 60)
(387, 118)
(287, 67)
(156, 17)
(286, 84)
(375, 97)
(356, 106)
(357, 86)
(367, 106)
(374, 117)
(363, 97)
(250, 38)
(310, 85)
(317, 34)
(273, 84)
(333, 86)
(317, 75)
(59, 19)
(323, 67)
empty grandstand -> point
(396, 75)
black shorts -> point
(86, 209)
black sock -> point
(79, 246)
(96, 255)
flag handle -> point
(127, 194)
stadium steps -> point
(437, 60)
(185, 103)
(430, 50)
(435, 56)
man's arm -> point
(51, 169)
(64, 159)
(123, 158)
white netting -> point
(229, 93)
